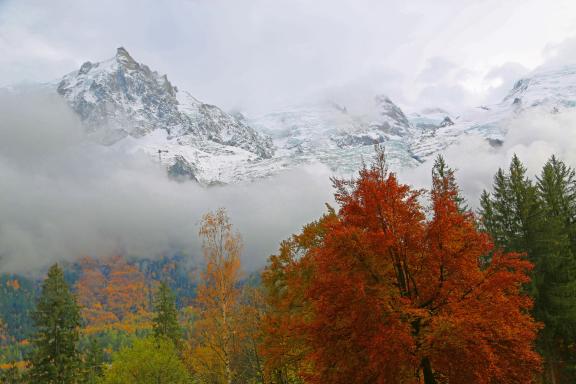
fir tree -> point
(57, 321)
(510, 213)
(539, 219)
(525, 210)
(444, 179)
(495, 210)
(555, 274)
(166, 315)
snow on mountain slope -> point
(548, 90)
(123, 102)
(330, 134)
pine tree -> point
(443, 178)
(57, 320)
(166, 315)
(539, 219)
(555, 274)
(510, 213)
(524, 206)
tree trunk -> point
(427, 370)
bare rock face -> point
(182, 170)
(446, 122)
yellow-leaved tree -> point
(214, 338)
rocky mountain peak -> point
(393, 120)
(121, 98)
(124, 58)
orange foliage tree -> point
(119, 300)
(214, 341)
(381, 292)
(225, 333)
(127, 292)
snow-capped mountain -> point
(550, 90)
(340, 139)
(125, 104)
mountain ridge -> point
(123, 103)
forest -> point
(393, 285)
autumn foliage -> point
(385, 291)
(119, 299)
(224, 338)
(396, 286)
(214, 340)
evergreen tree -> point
(510, 213)
(539, 219)
(444, 179)
(166, 315)
(555, 274)
(57, 321)
(525, 210)
(496, 210)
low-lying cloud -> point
(534, 136)
(62, 198)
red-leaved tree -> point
(384, 292)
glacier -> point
(124, 104)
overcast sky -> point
(257, 55)
(62, 199)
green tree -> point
(555, 273)
(510, 213)
(153, 360)
(166, 315)
(443, 178)
(57, 320)
(539, 219)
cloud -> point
(437, 70)
(63, 198)
(559, 54)
(534, 136)
(258, 54)
(455, 88)
(502, 79)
